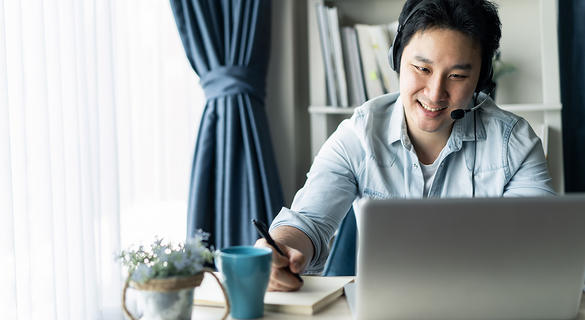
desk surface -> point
(337, 310)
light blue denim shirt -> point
(370, 155)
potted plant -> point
(500, 68)
(165, 276)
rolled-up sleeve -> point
(526, 165)
(331, 187)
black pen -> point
(263, 230)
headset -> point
(485, 83)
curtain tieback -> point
(225, 81)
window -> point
(99, 109)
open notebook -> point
(316, 293)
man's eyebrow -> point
(423, 59)
(463, 66)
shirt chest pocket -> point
(382, 182)
(490, 183)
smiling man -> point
(439, 137)
(440, 70)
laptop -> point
(498, 258)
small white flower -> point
(163, 259)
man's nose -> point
(436, 89)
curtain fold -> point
(234, 177)
(572, 72)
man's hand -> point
(281, 278)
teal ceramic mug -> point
(246, 272)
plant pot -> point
(170, 298)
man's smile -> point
(426, 107)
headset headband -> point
(485, 82)
(392, 55)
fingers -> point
(281, 277)
(283, 280)
(297, 260)
(278, 260)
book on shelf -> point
(337, 56)
(371, 70)
(374, 43)
(355, 79)
(355, 59)
(382, 36)
(327, 51)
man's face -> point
(439, 70)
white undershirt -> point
(428, 171)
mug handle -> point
(205, 270)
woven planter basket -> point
(171, 284)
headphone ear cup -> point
(396, 43)
(392, 52)
(391, 58)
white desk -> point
(338, 310)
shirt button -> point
(415, 165)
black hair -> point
(476, 18)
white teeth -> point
(431, 109)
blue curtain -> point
(234, 177)
(572, 66)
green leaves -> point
(163, 259)
(501, 67)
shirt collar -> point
(398, 125)
(463, 128)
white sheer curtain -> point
(98, 114)
(159, 103)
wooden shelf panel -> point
(330, 110)
(535, 107)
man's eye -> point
(458, 76)
(421, 69)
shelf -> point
(508, 107)
(527, 107)
(331, 110)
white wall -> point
(287, 94)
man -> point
(439, 138)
